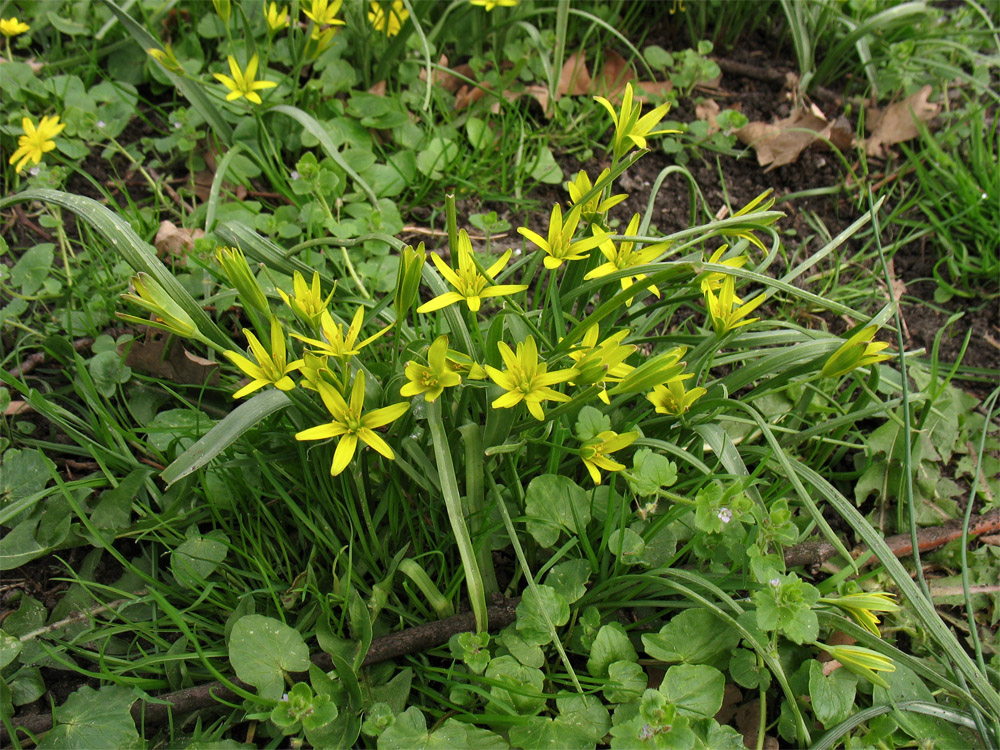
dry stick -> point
(814, 553)
(408, 641)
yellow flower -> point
(757, 205)
(242, 83)
(525, 379)
(165, 57)
(594, 452)
(271, 368)
(396, 17)
(581, 185)
(631, 129)
(35, 141)
(559, 247)
(673, 398)
(351, 425)
(655, 371)
(12, 27)
(337, 344)
(489, 5)
(600, 362)
(431, 380)
(470, 285)
(152, 297)
(465, 365)
(307, 301)
(862, 606)
(713, 280)
(276, 19)
(725, 312)
(324, 13)
(858, 351)
(626, 256)
(864, 662)
(234, 265)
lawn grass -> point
(274, 475)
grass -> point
(600, 461)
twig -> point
(34, 360)
(408, 641)
(814, 553)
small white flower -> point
(178, 126)
(294, 175)
(983, 197)
(775, 582)
(101, 124)
(517, 251)
(34, 171)
(725, 515)
(284, 697)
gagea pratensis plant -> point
(612, 397)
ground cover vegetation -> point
(416, 374)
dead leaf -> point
(730, 700)
(575, 80)
(781, 143)
(614, 75)
(16, 407)
(378, 89)
(707, 109)
(174, 240)
(152, 356)
(897, 122)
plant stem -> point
(453, 502)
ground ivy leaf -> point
(549, 503)
(409, 732)
(93, 718)
(695, 689)
(10, 647)
(537, 602)
(832, 695)
(530, 655)
(197, 558)
(569, 578)
(591, 422)
(585, 712)
(25, 472)
(471, 648)
(710, 735)
(745, 670)
(694, 636)
(540, 733)
(262, 650)
(627, 545)
(651, 472)
(523, 685)
(626, 681)
(611, 644)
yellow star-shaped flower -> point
(350, 424)
(526, 379)
(36, 141)
(625, 255)
(470, 285)
(631, 129)
(559, 247)
(242, 83)
(271, 367)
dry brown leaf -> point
(176, 364)
(896, 123)
(174, 240)
(614, 75)
(707, 109)
(378, 89)
(781, 143)
(575, 80)
(16, 407)
(731, 698)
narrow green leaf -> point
(191, 89)
(225, 433)
(136, 252)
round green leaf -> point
(262, 650)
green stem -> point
(343, 252)
(523, 562)
(451, 221)
(453, 502)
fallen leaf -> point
(707, 109)
(153, 356)
(574, 79)
(16, 407)
(173, 240)
(897, 122)
(614, 75)
(378, 89)
(731, 698)
(781, 143)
